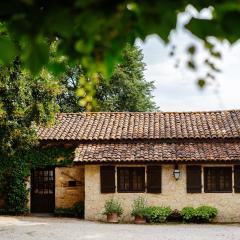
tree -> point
(126, 90)
(93, 33)
(25, 102)
(68, 100)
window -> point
(218, 179)
(72, 183)
(131, 179)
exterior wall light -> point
(176, 173)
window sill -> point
(131, 191)
(218, 192)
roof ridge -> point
(157, 112)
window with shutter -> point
(154, 179)
(131, 179)
(217, 179)
(237, 178)
(107, 174)
(194, 184)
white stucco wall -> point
(173, 194)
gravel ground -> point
(42, 228)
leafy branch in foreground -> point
(93, 33)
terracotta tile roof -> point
(157, 152)
(151, 125)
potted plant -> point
(139, 210)
(113, 210)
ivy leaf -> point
(191, 49)
(229, 26)
(56, 68)
(7, 50)
(211, 65)
(59, 21)
(191, 64)
(36, 56)
(216, 54)
(201, 83)
(203, 28)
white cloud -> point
(176, 88)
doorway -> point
(43, 190)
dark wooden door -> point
(43, 190)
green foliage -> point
(97, 45)
(24, 102)
(139, 207)
(68, 101)
(64, 212)
(112, 206)
(200, 214)
(7, 53)
(188, 214)
(15, 169)
(76, 211)
(15, 189)
(126, 90)
(156, 214)
(52, 156)
(206, 213)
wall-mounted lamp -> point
(176, 173)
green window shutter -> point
(194, 184)
(237, 178)
(107, 175)
(154, 179)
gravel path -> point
(42, 228)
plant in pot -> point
(113, 210)
(139, 210)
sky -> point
(176, 88)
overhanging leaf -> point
(7, 50)
(36, 56)
(203, 28)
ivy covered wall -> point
(15, 170)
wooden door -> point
(43, 190)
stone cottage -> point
(175, 159)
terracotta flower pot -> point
(112, 218)
(139, 220)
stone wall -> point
(173, 194)
(65, 195)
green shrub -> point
(139, 207)
(64, 212)
(157, 214)
(206, 213)
(188, 214)
(112, 206)
(76, 211)
(200, 214)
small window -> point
(72, 183)
(217, 179)
(131, 179)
